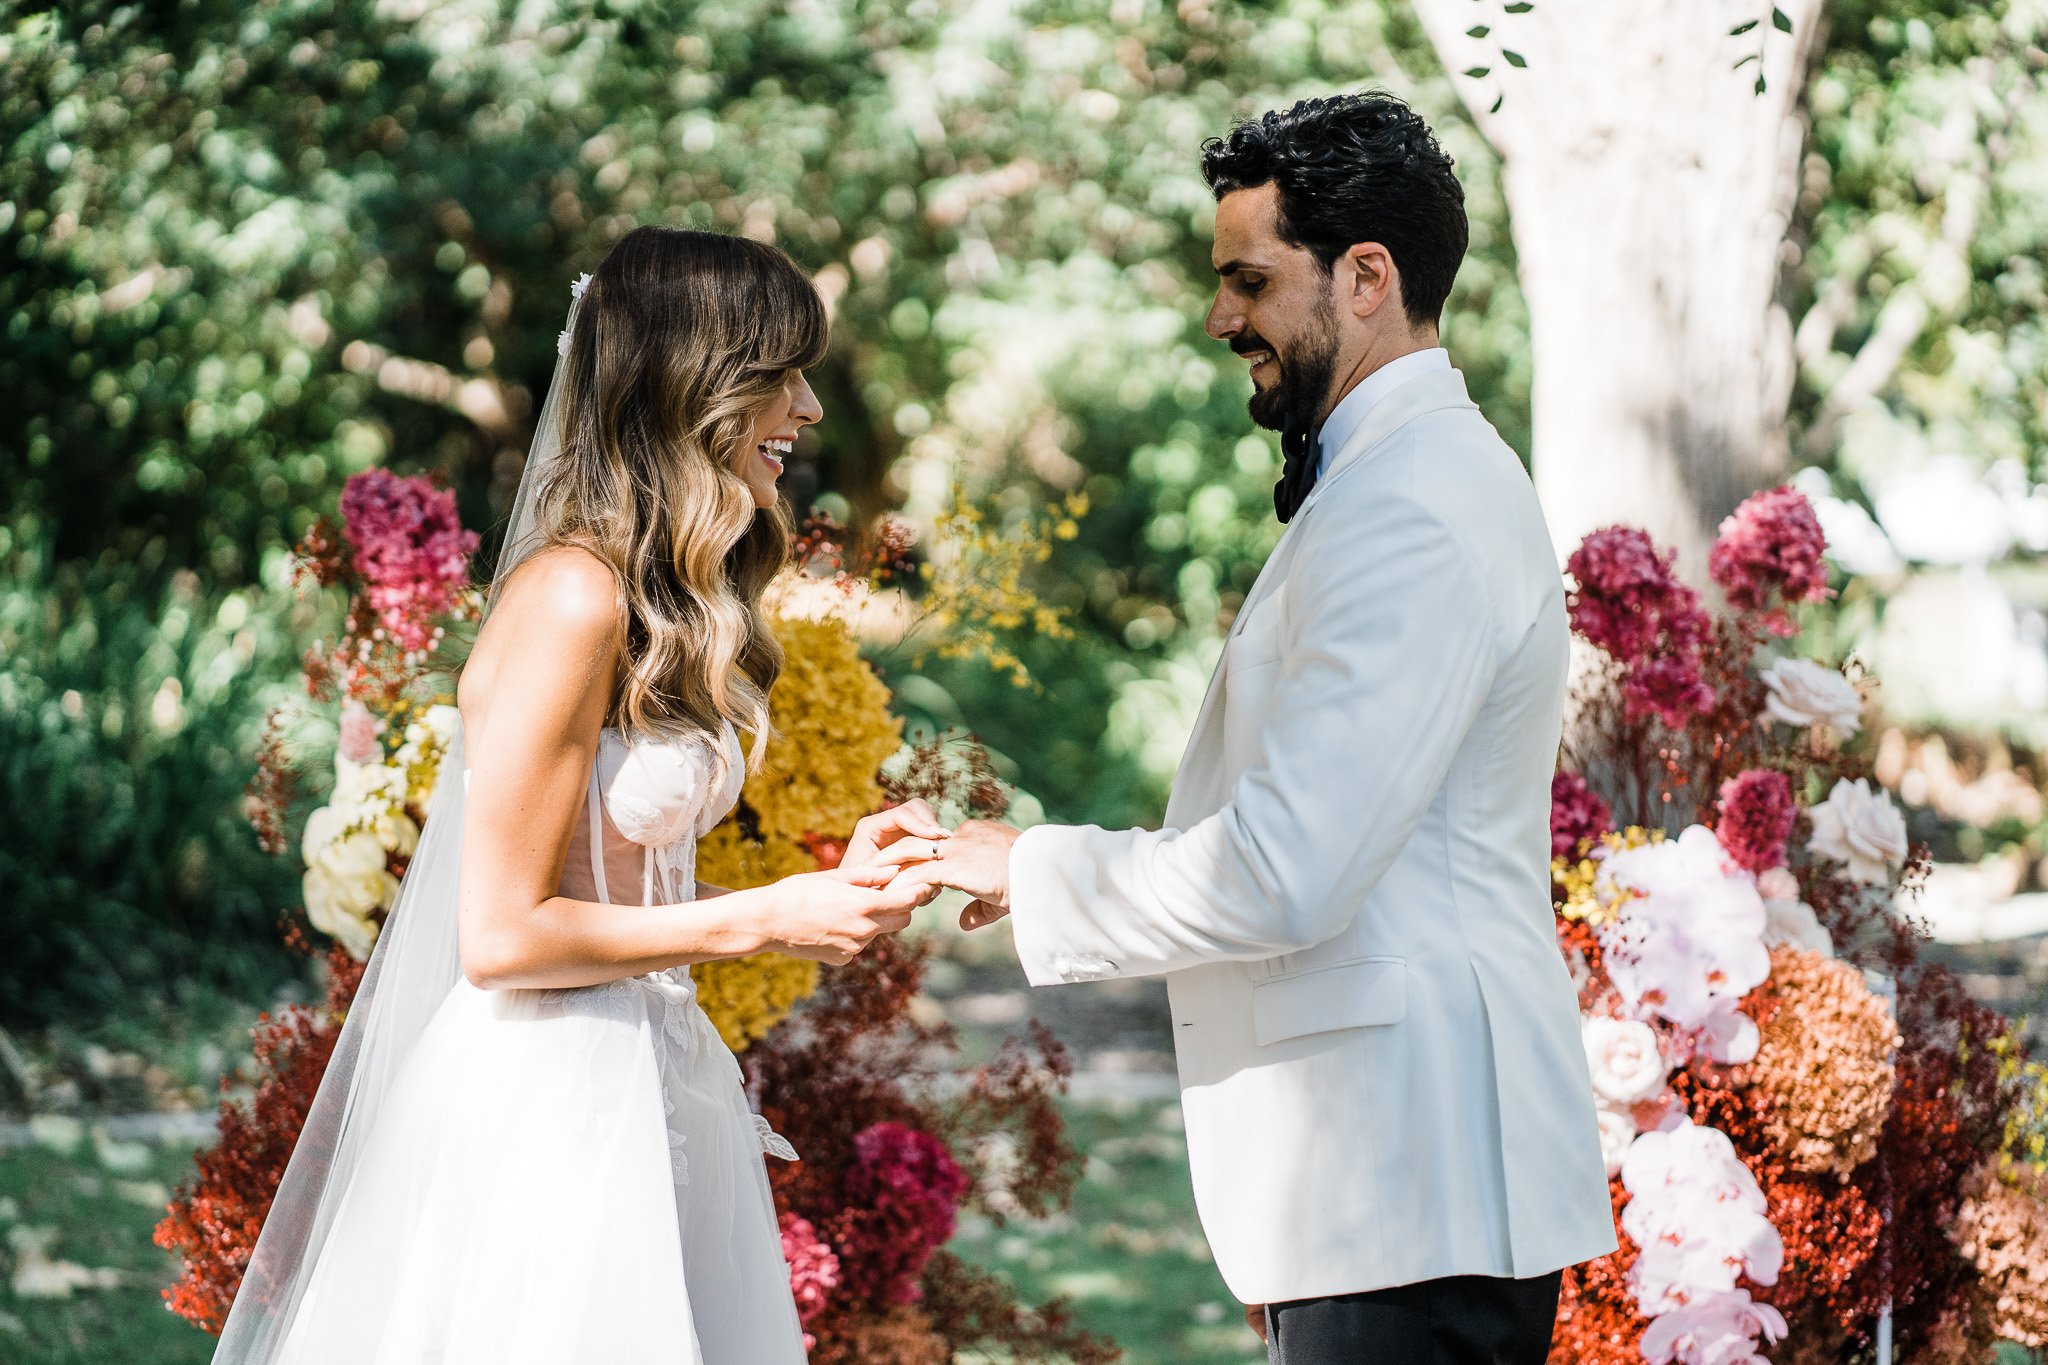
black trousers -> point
(1464, 1320)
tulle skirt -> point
(558, 1176)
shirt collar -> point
(1352, 410)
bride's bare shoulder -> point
(557, 613)
(563, 591)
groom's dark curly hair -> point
(1351, 169)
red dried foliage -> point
(1013, 1094)
(267, 800)
(951, 770)
(969, 1305)
(212, 1222)
(1597, 1321)
(887, 553)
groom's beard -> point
(1295, 401)
(1294, 405)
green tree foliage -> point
(253, 248)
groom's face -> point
(1274, 306)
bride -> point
(531, 1144)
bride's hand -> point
(897, 837)
(831, 916)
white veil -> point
(415, 963)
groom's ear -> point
(1367, 280)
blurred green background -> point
(252, 248)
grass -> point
(1130, 1254)
(73, 1199)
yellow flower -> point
(1586, 897)
(977, 588)
(833, 728)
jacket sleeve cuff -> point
(1047, 923)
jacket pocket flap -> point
(1354, 994)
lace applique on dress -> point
(772, 1142)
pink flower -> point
(1715, 1329)
(1686, 941)
(813, 1269)
(1770, 551)
(1576, 815)
(1757, 816)
(359, 731)
(411, 549)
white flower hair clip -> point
(575, 297)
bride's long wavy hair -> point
(679, 340)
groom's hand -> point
(977, 860)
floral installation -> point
(1816, 1140)
(838, 1060)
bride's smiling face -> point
(776, 424)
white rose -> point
(368, 786)
(1806, 693)
(397, 833)
(1623, 1056)
(1861, 829)
(323, 827)
(355, 931)
(1617, 1131)
(355, 856)
(1793, 923)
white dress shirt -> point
(1365, 395)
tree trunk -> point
(1650, 186)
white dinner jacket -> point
(1378, 1037)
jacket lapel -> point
(1425, 393)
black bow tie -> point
(1302, 448)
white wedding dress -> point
(569, 1175)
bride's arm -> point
(543, 669)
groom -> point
(1389, 1119)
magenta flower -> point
(1757, 816)
(901, 1197)
(1770, 552)
(1577, 815)
(813, 1269)
(1627, 600)
(1668, 687)
(411, 549)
